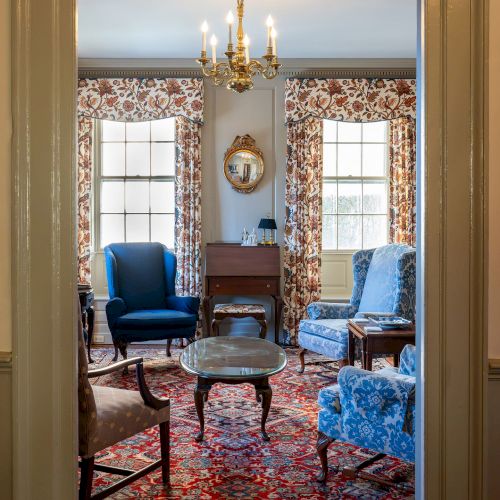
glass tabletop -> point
(233, 357)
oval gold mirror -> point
(244, 164)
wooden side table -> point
(384, 342)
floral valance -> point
(356, 100)
(141, 99)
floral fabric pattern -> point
(144, 99)
(373, 410)
(85, 140)
(403, 181)
(325, 310)
(188, 207)
(302, 240)
(353, 100)
(141, 99)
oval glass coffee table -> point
(233, 360)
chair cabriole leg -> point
(322, 448)
(302, 353)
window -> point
(135, 182)
(355, 185)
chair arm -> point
(148, 398)
(408, 360)
(99, 372)
(375, 396)
(114, 309)
(329, 310)
(190, 305)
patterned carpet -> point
(233, 461)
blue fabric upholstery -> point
(372, 410)
(143, 305)
(384, 281)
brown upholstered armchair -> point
(108, 415)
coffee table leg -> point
(264, 395)
(200, 397)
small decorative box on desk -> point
(232, 269)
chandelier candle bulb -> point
(246, 42)
(274, 35)
(270, 24)
(213, 43)
(230, 21)
(204, 29)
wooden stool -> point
(256, 311)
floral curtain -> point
(144, 99)
(303, 200)
(188, 206)
(307, 103)
(85, 139)
(403, 181)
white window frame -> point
(360, 179)
(97, 179)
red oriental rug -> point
(233, 461)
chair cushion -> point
(332, 329)
(381, 285)
(120, 414)
(239, 309)
(321, 345)
(155, 319)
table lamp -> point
(265, 225)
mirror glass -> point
(244, 167)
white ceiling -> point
(306, 28)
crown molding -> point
(313, 68)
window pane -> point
(138, 131)
(329, 232)
(349, 132)
(329, 131)
(163, 130)
(349, 198)
(113, 131)
(375, 197)
(375, 132)
(137, 197)
(349, 161)
(163, 158)
(112, 197)
(137, 227)
(330, 198)
(113, 159)
(374, 231)
(162, 197)
(330, 159)
(349, 232)
(162, 229)
(112, 229)
(374, 159)
(138, 158)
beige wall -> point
(5, 136)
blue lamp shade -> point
(267, 224)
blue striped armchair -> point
(384, 282)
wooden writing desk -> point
(231, 269)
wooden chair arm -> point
(149, 399)
(99, 372)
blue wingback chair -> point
(374, 410)
(384, 282)
(143, 305)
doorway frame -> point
(452, 257)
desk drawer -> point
(243, 286)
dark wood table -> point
(385, 342)
(233, 360)
(86, 295)
(232, 269)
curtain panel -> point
(403, 181)
(307, 103)
(145, 99)
(303, 200)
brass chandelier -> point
(238, 71)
